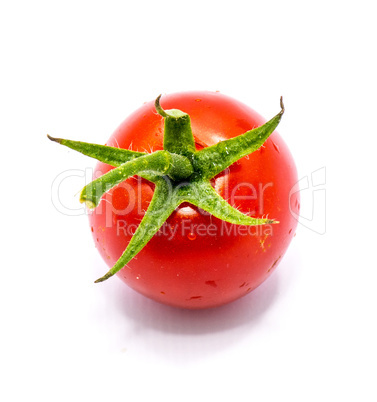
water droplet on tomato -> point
(276, 147)
(194, 297)
(191, 236)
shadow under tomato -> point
(174, 320)
(182, 336)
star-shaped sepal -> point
(180, 174)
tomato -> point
(196, 260)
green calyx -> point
(180, 174)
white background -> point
(76, 69)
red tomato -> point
(196, 260)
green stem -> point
(159, 163)
(212, 160)
(178, 137)
(203, 195)
(110, 155)
(159, 210)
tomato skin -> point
(196, 260)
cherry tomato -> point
(196, 260)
